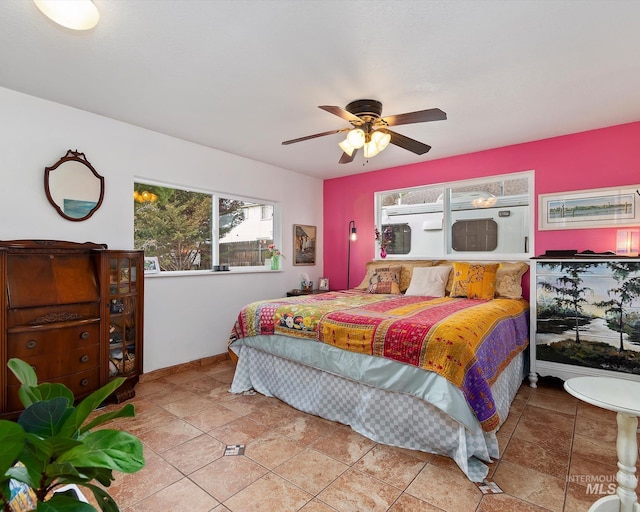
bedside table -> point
(297, 293)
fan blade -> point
(409, 144)
(345, 158)
(340, 112)
(286, 142)
(421, 116)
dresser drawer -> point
(53, 340)
(80, 384)
(53, 365)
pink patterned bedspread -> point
(466, 341)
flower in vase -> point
(383, 240)
(273, 251)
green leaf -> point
(37, 452)
(127, 411)
(105, 501)
(28, 395)
(61, 503)
(45, 419)
(30, 392)
(86, 475)
(57, 470)
(49, 390)
(12, 440)
(23, 372)
(107, 448)
(102, 475)
(88, 405)
(60, 445)
(40, 457)
(21, 473)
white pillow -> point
(430, 281)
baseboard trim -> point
(178, 368)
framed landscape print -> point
(304, 244)
(597, 208)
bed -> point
(424, 355)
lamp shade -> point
(73, 14)
(356, 138)
(346, 147)
(370, 149)
(380, 139)
(628, 242)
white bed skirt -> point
(386, 417)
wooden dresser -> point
(585, 317)
(74, 312)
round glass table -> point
(623, 397)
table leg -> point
(625, 499)
(627, 448)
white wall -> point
(186, 317)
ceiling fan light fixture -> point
(380, 139)
(346, 147)
(356, 138)
(370, 149)
(73, 14)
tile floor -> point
(558, 454)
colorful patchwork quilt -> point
(466, 341)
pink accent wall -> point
(608, 157)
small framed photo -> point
(151, 265)
(323, 284)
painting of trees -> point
(588, 313)
(569, 292)
(621, 296)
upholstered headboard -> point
(508, 283)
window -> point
(266, 212)
(487, 218)
(398, 238)
(189, 230)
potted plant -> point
(52, 445)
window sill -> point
(238, 270)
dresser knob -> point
(84, 335)
(84, 382)
(84, 359)
(32, 344)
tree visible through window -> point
(178, 226)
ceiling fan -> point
(369, 130)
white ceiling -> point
(244, 75)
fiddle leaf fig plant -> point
(52, 445)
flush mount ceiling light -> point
(73, 14)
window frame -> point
(276, 220)
(447, 187)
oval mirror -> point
(73, 186)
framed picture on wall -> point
(151, 265)
(304, 244)
(596, 208)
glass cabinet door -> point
(123, 315)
